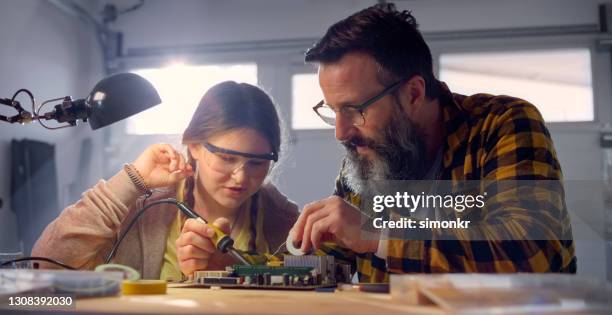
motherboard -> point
(306, 272)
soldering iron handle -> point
(222, 241)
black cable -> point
(114, 249)
(131, 224)
(29, 94)
(34, 258)
(23, 91)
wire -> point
(131, 224)
(279, 248)
(35, 258)
(29, 94)
(19, 108)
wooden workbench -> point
(234, 301)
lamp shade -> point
(119, 96)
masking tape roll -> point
(129, 273)
(140, 287)
(291, 247)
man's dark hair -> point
(390, 36)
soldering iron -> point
(222, 241)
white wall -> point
(163, 23)
(53, 55)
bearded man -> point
(398, 122)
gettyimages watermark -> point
(485, 210)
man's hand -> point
(331, 219)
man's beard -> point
(400, 156)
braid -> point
(190, 184)
(253, 227)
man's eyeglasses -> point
(229, 161)
(353, 113)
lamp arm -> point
(68, 111)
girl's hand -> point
(195, 248)
(160, 165)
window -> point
(306, 93)
(557, 82)
(181, 87)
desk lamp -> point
(114, 98)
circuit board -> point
(307, 272)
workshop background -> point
(554, 53)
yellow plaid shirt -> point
(488, 138)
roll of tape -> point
(129, 273)
(141, 287)
(291, 247)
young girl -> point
(232, 140)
